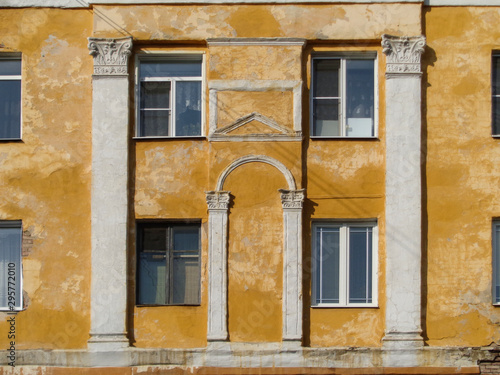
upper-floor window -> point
(168, 263)
(170, 96)
(496, 263)
(495, 95)
(10, 98)
(343, 98)
(344, 264)
(11, 292)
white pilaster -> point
(403, 195)
(292, 201)
(110, 132)
(218, 204)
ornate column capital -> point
(292, 198)
(110, 55)
(403, 53)
(218, 200)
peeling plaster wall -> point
(462, 176)
(188, 22)
(45, 179)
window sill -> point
(497, 136)
(320, 137)
(168, 305)
(162, 138)
(335, 306)
(5, 140)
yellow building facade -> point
(249, 187)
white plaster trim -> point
(44, 3)
(247, 1)
(473, 3)
(259, 159)
(218, 203)
(403, 201)
(255, 85)
(285, 134)
(109, 199)
(256, 42)
(292, 201)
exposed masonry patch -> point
(27, 243)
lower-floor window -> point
(496, 263)
(344, 264)
(10, 265)
(168, 263)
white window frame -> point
(17, 57)
(495, 135)
(18, 270)
(495, 280)
(343, 57)
(344, 262)
(159, 56)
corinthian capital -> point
(110, 55)
(218, 200)
(403, 53)
(292, 198)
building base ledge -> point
(257, 355)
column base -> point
(403, 340)
(291, 345)
(105, 342)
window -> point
(495, 95)
(168, 264)
(170, 96)
(10, 266)
(343, 97)
(10, 98)
(344, 261)
(496, 263)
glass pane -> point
(496, 76)
(327, 265)
(155, 95)
(10, 109)
(186, 280)
(360, 97)
(187, 238)
(154, 239)
(151, 279)
(496, 115)
(326, 77)
(326, 121)
(10, 267)
(10, 67)
(155, 123)
(360, 270)
(182, 67)
(188, 108)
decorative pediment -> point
(254, 127)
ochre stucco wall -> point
(45, 178)
(346, 180)
(199, 22)
(462, 176)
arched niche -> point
(218, 204)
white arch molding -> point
(256, 159)
(218, 204)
